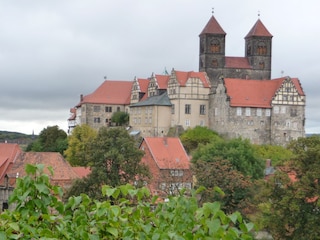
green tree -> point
(125, 213)
(278, 154)
(192, 138)
(239, 152)
(292, 208)
(79, 142)
(51, 139)
(115, 161)
(236, 187)
(120, 118)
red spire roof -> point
(259, 30)
(213, 27)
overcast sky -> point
(53, 51)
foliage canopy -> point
(125, 213)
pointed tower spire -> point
(259, 30)
(213, 27)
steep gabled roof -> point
(168, 152)
(162, 81)
(143, 84)
(258, 30)
(237, 62)
(157, 100)
(183, 77)
(255, 93)
(110, 92)
(8, 154)
(213, 27)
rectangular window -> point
(172, 109)
(239, 111)
(259, 112)
(96, 120)
(202, 109)
(187, 109)
(96, 108)
(283, 109)
(276, 110)
(108, 109)
(248, 111)
(187, 122)
(118, 109)
(268, 112)
(216, 111)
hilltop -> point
(16, 137)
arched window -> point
(214, 62)
(262, 48)
(215, 46)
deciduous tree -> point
(192, 138)
(79, 141)
(292, 209)
(115, 159)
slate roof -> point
(237, 62)
(255, 93)
(157, 100)
(213, 27)
(258, 30)
(110, 92)
(168, 152)
(182, 77)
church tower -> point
(258, 46)
(212, 50)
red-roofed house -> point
(264, 111)
(96, 109)
(168, 163)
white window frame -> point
(239, 111)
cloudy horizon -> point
(53, 51)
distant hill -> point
(15, 137)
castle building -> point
(234, 96)
(245, 102)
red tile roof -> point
(259, 30)
(8, 154)
(162, 81)
(213, 27)
(255, 93)
(73, 114)
(63, 172)
(237, 62)
(143, 84)
(183, 77)
(82, 171)
(111, 92)
(168, 152)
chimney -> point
(81, 97)
(268, 163)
